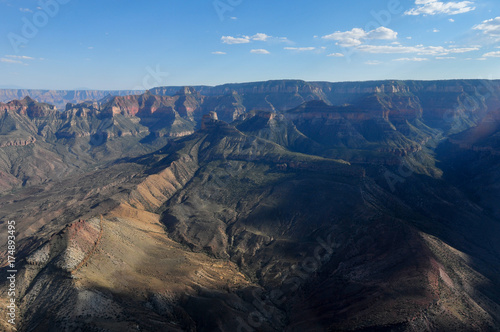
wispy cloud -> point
(25, 10)
(15, 59)
(412, 59)
(235, 40)
(219, 53)
(492, 55)
(373, 62)
(339, 55)
(419, 49)
(356, 36)
(491, 28)
(300, 49)
(260, 51)
(21, 57)
(5, 60)
(434, 7)
(259, 37)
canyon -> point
(268, 206)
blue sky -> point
(120, 44)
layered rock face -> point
(60, 98)
(286, 94)
(281, 206)
(392, 118)
(71, 248)
(95, 132)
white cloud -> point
(373, 62)
(419, 49)
(490, 27)
(233, 18)
(481, 59)
(434, 7)
(5, 60)
(445, 57)
(382, 33)
(16, 59)
(235, 40)
(435, 30)
(257, 37)
(339, 55)
(492, 55)
(451, 20)
(260, 51)
(260, 37)
(22, 57)
(25, 10)
(300, 49)
(219, 53)
(412, 59)
(90, 47)
(356, 36)
(283, 40)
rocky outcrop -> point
(209, 120)
(156, 189)
(29, 108)
(70, 248)
(88, 251)
(60, 98)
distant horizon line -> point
(252, 82)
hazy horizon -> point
(250, 82)
(70, 44)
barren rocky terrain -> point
(272, 206)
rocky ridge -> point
(375, 212)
